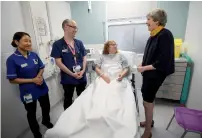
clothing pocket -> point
(67, 53)
(68, 58)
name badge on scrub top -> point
(24, 65)
(77, 68)
(65, 50)
(28, 98)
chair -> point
(189, 119)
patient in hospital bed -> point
(106, 109)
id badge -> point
(64, 50)
(28, 98)
(77, 68)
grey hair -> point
(66, 21)
(158, 15)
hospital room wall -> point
(13, 115)
(177, 12)
(91, 27)
(193, 39)
(58, 11)
(129, 9)
(13, 20)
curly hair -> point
(106, 46)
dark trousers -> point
(69, 91)
(31, 113)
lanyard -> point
(73, 51)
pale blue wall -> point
(91, 25)
(177, 16)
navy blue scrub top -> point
(61, 50)
(26, 68)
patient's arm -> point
(123, 73)
(101, 74)
(125, 66)
(98, 71)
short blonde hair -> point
(158, 15)
(66, 21)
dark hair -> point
(17, 36)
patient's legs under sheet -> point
(101, 111)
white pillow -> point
(131, 58)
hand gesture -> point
(120, 77)
(140, 69)
(76, 75)
(38, 80)
(81, 73)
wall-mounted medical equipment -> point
(90, 51)
(37, 25)
(91, 58)
(49, 67)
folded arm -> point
(37, 80)
(21, 81)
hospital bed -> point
(133, 61)
(131, 58)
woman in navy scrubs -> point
(26, 68)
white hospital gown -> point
(102, 110)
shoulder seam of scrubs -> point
(17, 54)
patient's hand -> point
(106, 78)
(120, 77)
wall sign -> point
(41, 26)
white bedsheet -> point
(101, 111)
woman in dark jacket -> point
(157, 64)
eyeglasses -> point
(114, 44)
(74, 27)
